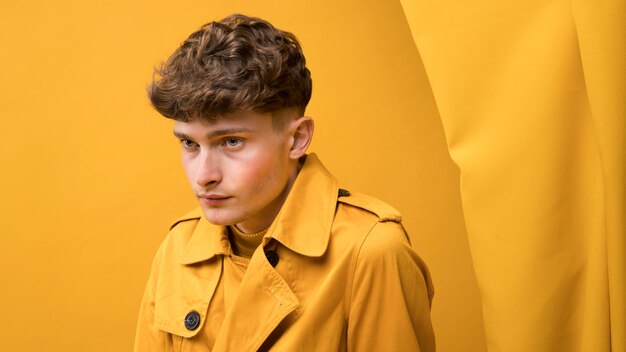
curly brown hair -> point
(239, 63)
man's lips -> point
(212, 198)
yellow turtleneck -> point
(244, 244)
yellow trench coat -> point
(347, 279)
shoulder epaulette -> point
(384, 211)
(192, 215)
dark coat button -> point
(192, 320)
(272, 257)
(344, 192)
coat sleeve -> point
(391, 293)
(148, 337)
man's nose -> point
(208, 169)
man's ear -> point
(302, 134)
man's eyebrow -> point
(181, 135)
(216, 133)
(226, 131)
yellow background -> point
(91, 175)
(531, 95)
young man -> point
(277, 257)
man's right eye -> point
(188, 144)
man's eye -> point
(232, 142)
(188, 144)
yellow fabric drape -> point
(532, 96)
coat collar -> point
(303, 224)
(207, 241)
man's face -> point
(239, 167)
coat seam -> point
(352, 273)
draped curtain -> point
(532, 97)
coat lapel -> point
(264, 300)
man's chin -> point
(218, 217)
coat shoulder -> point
(382, 210)
(195, 214)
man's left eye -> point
(232, 141)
